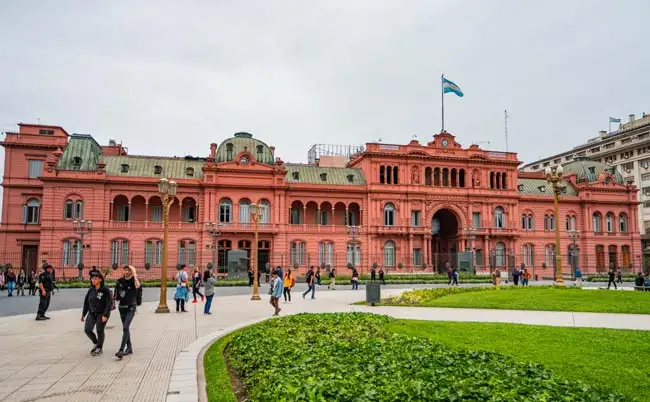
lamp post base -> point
(162, 309)
(559, 282)
(256, 297)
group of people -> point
(16, 282)
(182, 293)
(520, 275)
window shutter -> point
(24, 213)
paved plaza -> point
(50, 360)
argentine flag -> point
(614, 120)
(449, 86)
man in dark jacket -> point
(96, 311)
(611, 278)
(45, 289)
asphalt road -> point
(73, 298)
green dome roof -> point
(230, 147)
(589, 170)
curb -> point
(187, 381)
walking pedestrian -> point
(515, 276)
(196, 284)
(318, 280)
(289, 282)
(355, 279)
(46, 289)
(182, 294)
(496, 277)
(311, 282)
(32, 282)
(373, 274)
(454, 277)
(619, 276)
(96, 311)
(611, 278)
(525, 277)
(277, 284)
(332, 275)
(578, 274)
(209, 280)
(20, 283)
(250, 276)
(128, 291)
(381, 276)
(10, 278)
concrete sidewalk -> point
(50, 360)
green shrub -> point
(420, 296)
(352, 357)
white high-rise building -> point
(627, 149)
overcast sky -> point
(170, 77)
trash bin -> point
(373, 292)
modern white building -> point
(627, 149)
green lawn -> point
(355, 356)
(530, 298)
(611, 357)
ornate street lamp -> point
(256, 214)
(554, 177)
(81, 227)
(167, 190)
(214, 229)
(353, 232)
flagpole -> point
(610, 126)
(442, 96)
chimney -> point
(631, 117)
(602, 133)
(112, 143)
(272, 148)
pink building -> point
(412, 207)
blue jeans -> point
(10, 287)
(355, 285)
(312, 288)
(208, 304)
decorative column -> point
(345, 220)
(146, 214)
(318, 216)
(304, 216)
(130, 217)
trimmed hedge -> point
(353, 357)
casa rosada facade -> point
(403, 207)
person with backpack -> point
(128, 292)
(181, 295)
(310, 278)
(96, 312)
(332, 276)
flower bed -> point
(352, 357)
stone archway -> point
(445, 231)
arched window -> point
(436, 176)
(353, 254)
(382, 174)
(153, 252)
(529, 252)
(244, 211)
(503, 181)
(187, 252)
(265, 209)
(78, 210)
(609, 222)
(31, 212)
(492, 180)
(454, 178)
(461, 178)
(120, 252)
(389, 253)
(445, 177)
(389, 175)
(530, 222)
(570, 223)
(549, 222)
(549, 255)
(325, 253)
(622, 223)
(395, 175)
(499, 218)
(500, 254)
(71, 253)
(597, 221)
(427, 176)
(389, 214)
(297, 255)
(524, 222)
(225, 210)
(498, 181)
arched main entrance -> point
(444, 239)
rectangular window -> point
(120, 252)
(123, 213)
(78, 211)
(415, 218)
(182, 250)
(323, 217)
(476, 219)
(153, 252)
(67, 211)
(35, 168)
(297, 253)
(225, 213)
(31, 213)
(71, 252)
(325, 253)
(125, 252)
(295, 216)
(478, 256)
(188, 214)
(354, 255)
(156, 213)
(417, 257)
(266, 212)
